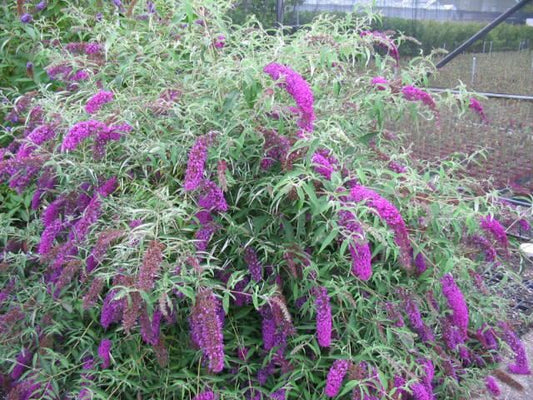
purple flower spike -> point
(521, 365)
(104, 352)
(415, 318)
(492, 386)
(98, 100)
(254, 266)
(206, 328)
(324, 163)
(41, 5)
(477, 107)
(392, 217)
(359, 249)
(300, 91)
(335, 377)
(194, 175)
(206, 395)
(496, 230)
(456, 302)
(26, 18)
(323, 317)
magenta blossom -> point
(359, 247)
(380, 83)
(324, 163)
(194, 175)
(323, 317)
(219, 42)
(335, 377)
(490, 225)
(477, 107)
(98, 100)
(456, 302)
(521, 365)
(392, 217)
(492, 386)
(300, 91)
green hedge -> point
(435, 34)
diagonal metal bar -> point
(482, 33)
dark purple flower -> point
(219, 42)
(22, 361)
(276, 148)
(254, 266)
(194, 175)
(48, 236)
(212, 197)
(323, 317)
(324, 163)
(104, 352)
(380, 82)
(476, 106)
(150, 266)
(26, 18)
(41, 5)
(207, 328)
(335, 377)
(81, 131)
(415, 318)
(490, 225)
(205, 395)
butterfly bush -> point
(185, 228)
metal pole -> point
(482, 33)
(279, 12)
(473, 70)
(490, 49)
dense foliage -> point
(206, 210)
(430, 35)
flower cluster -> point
(335, 377)
(412, 93)
(323, 316)
(415, 318)
(276, 148)
(491, 225)
(392, 217)
(254, 266)
(206, 328)
(383, 41)
(150, 266)
(300, 91)
(380, 83)
(219, 42)
(521, 365)
(98, 100)
(324, 163)
(194, 174)
(456, 302)
(477, 107)
(359, 249)
(492, 385)
(104, 350)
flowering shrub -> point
(231, 220)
